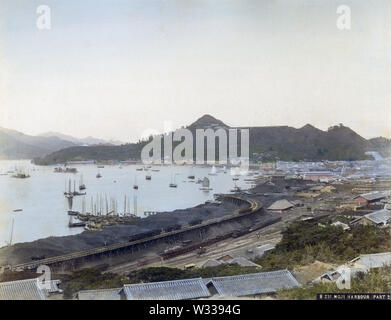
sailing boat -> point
(205, 184)
(69, 194)
(82, 186)
(213, 171)
(12, 232)
(99, 175)
(125, 206)
(172, 184)
(135, 204)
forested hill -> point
(266, 144)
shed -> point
(280, 205)
(211, 263)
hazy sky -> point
(113, 69)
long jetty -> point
(253, 206)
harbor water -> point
(37, 208)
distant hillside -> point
(382, 145)
(307, 143)
(266, 144)
(97, 152)
(79, 141)
(16, 145)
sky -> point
(120, 69)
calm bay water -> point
(45, 208)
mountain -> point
(307, 143)
(266, 144)
(206, 122)
(11, 148)
(17, 145)
(79, 141)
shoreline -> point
(43, 205)
(56, 246)
(53, 246)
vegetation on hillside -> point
(155, 274)
(304, 242)
(266, 144)
(375, 281)
(89, 279)
(96, 278)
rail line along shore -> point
(94, 256)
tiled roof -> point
(375, 260)
(380, 216)
(21, 290)
(100, 294)
(281, 205)
(29, 289)
(254, 283)
(167, 290)
(373, 196)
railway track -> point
(253, 207)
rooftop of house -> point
(372, 196)
(167, 290)
(375, 260)
(382, 216)
(29, 289)
(253, 284)
(230, 286)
